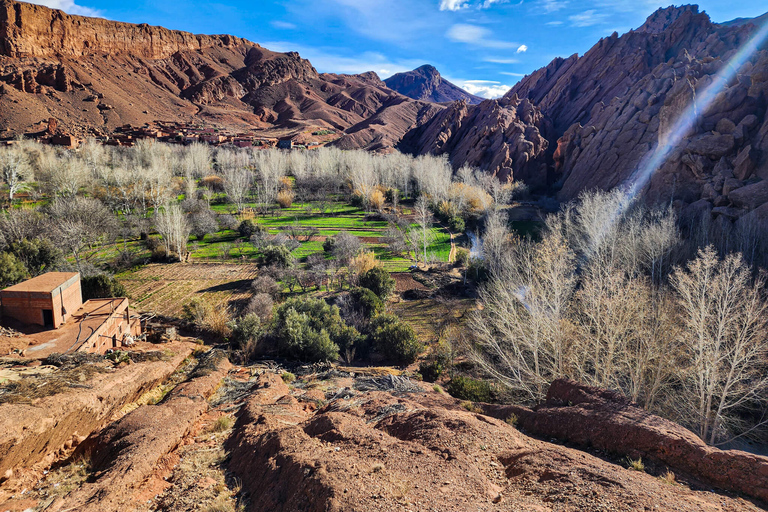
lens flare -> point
(687, 120)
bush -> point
(457, 224)
(311, 330)
(261, 305)
(12, 271)
(395, 339)
(39, 255)
(465, 388)
(246, 333)
(267, 284)
(248, 228)
(462, 256)
(101, 286)
(285, 198)
(277, 255)
(378, 281)
(227, 221)
(366, 302)
(203, 223)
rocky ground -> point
(207, 435)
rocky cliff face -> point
(603, 113)
(94, 75)
(506, 136)
(28, 30)
(425, 83)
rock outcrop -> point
(53, 65)
(603, 114)
(609, 422)
(507, 137)
(380, 450)
(425, 83)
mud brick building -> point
(48, 300)
(54, 301)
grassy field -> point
(164, 288)
(224, 263)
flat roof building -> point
(48, 300)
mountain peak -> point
(425, 83)
(660, 20)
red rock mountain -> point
(578, 123)
(425, 83)
(601, 113)
(94, 75)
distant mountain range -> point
(425, 83)
(579, 123)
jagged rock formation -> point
(425, 83)
(505, 136)
(605, 111)
(53, 65)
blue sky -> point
(484, 46)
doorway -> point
(48, 317)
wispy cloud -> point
(509, 73)
(457, 5)
(500, 60)
(550, 6)
(69, 6)
(554, 23)
(587, 18)
(522, 48)
(283, 25)
(332, 60)
(484, 88)
(476, 35)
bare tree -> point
(172, 225)
(80, 223)
(424, 219)
(725, 316)
(237, 184)
(15, 170)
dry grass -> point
(635, 465)
(222, 424)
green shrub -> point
(395, 339)
(457, 224)
(12, 271)
(437, 362)
(276, 255)
(248, 228)
(311, 330)
(431, 370)
(366, 302)
(378, 281)
(465, 388)
(38, 255)
(101, 286)
(246, 333)
(462, 256)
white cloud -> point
(284, 25)
(473, 34)
(550, 6)
(499, 60)
(554, 23)
(327, 60)
(457, 5)
(69, 6)
(484, 88)
(587, 18)
(508, 73)
(522, 49)
(452, 5)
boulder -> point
(750, 196)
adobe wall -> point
(27, 307)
